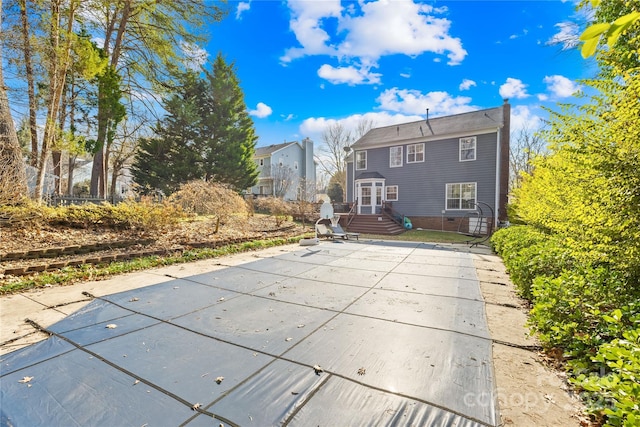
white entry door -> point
(369, 196)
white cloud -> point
(409, 101)
(242, 7)
(567, 36)
(467, 84)
(262, 110)
(405, 75)
(513, 88)
(288, 117)
(560, 86)
(306, 17)
(377, 29)
(522, 117)
(315, 126)
(349, 75)
(391, 27)
(194, 55)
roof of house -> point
(268, 150)
(432, 128)
(369, 175)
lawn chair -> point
(322, 230)
(337, 229)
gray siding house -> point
(436, 171)
(287, 170)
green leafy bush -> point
(614, 393)
(529, 253)
(570, 311)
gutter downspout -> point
(497, 192)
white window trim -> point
(423, 153)
(391, 157)
(475, 149)
(446, 196)
(365, 160)
(386, 193)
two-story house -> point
(436, 171)
(287, 170)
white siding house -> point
(286, 170)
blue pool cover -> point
(339, 334)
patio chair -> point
(322, 230)
(339, 230)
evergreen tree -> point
(172, 157)
(228, 133)
(207, 134)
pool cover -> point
(340, 334)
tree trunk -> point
(72, 165)
(57, 153)
(33, 126)
(13, 181)
(57, 75)
(101, 158)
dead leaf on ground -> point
(25, 380)
(111, 326)
(317, 369)
(219, 380)
(195, 406)
(362, 371)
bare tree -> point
(524, 148)
(306, 198)
(13, 184)
(283, 180)
(363, 126)
(332, 157)
(333, 153)
(122, 152)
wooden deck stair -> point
(374, 224)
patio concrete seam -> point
(133, 375)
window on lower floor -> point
(461, 196)
(366, 196)
(391, 193)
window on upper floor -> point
(361, 160)
(415, 153)
(395, 157)
(461, 196)
(391, 193)
(261, 162)
(467, 149)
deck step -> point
(374, 224)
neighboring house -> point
(287, 170)
(435, 171)
(49, 186)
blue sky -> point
(306, 64)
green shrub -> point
(572, 310)
(614, 393)
(529, 253)
(547, 258)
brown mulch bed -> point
(27, 250)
